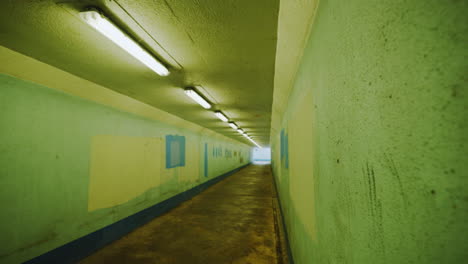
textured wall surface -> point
(51, 144)
(377, 135)
(293, 32)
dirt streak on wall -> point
(370, 156)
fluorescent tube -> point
(254, 142)
(234, 126)
(197, 98)
(221, 116)
(251, 140)
(112, 32)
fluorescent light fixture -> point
(197, 98)
(94, 18)
(234, 126)
(221, 116)
(240, 131)
(251, 140)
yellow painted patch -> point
(191, 169)
(301, 179)
(122, 168)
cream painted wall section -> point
(294, 22)
(122, 168)
(301, 159)
(190, 173)
(21, 66)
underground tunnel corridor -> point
(233, 131)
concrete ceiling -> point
(227, 47)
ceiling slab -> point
(228, 47)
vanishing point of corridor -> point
(234, 221)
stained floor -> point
(235, 221)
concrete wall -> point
(76, 157)
(372, 167)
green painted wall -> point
(377, 125)
(45, 163)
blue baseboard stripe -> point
(288, 248)
(82, 247)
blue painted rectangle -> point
(175, 151)
(284, 153)
(206, 160)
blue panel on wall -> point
(286, 149)
(217, 151)
(206, 160)
(284, 154)
(282, 144)
(175, 151)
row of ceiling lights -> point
(95, 19)
(197, 97)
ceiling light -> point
(251, 140)
(94, 18)
(254, 142)
(231, 124)
(221, 116)
(197, 98)
(240, 131)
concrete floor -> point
(234, 221)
